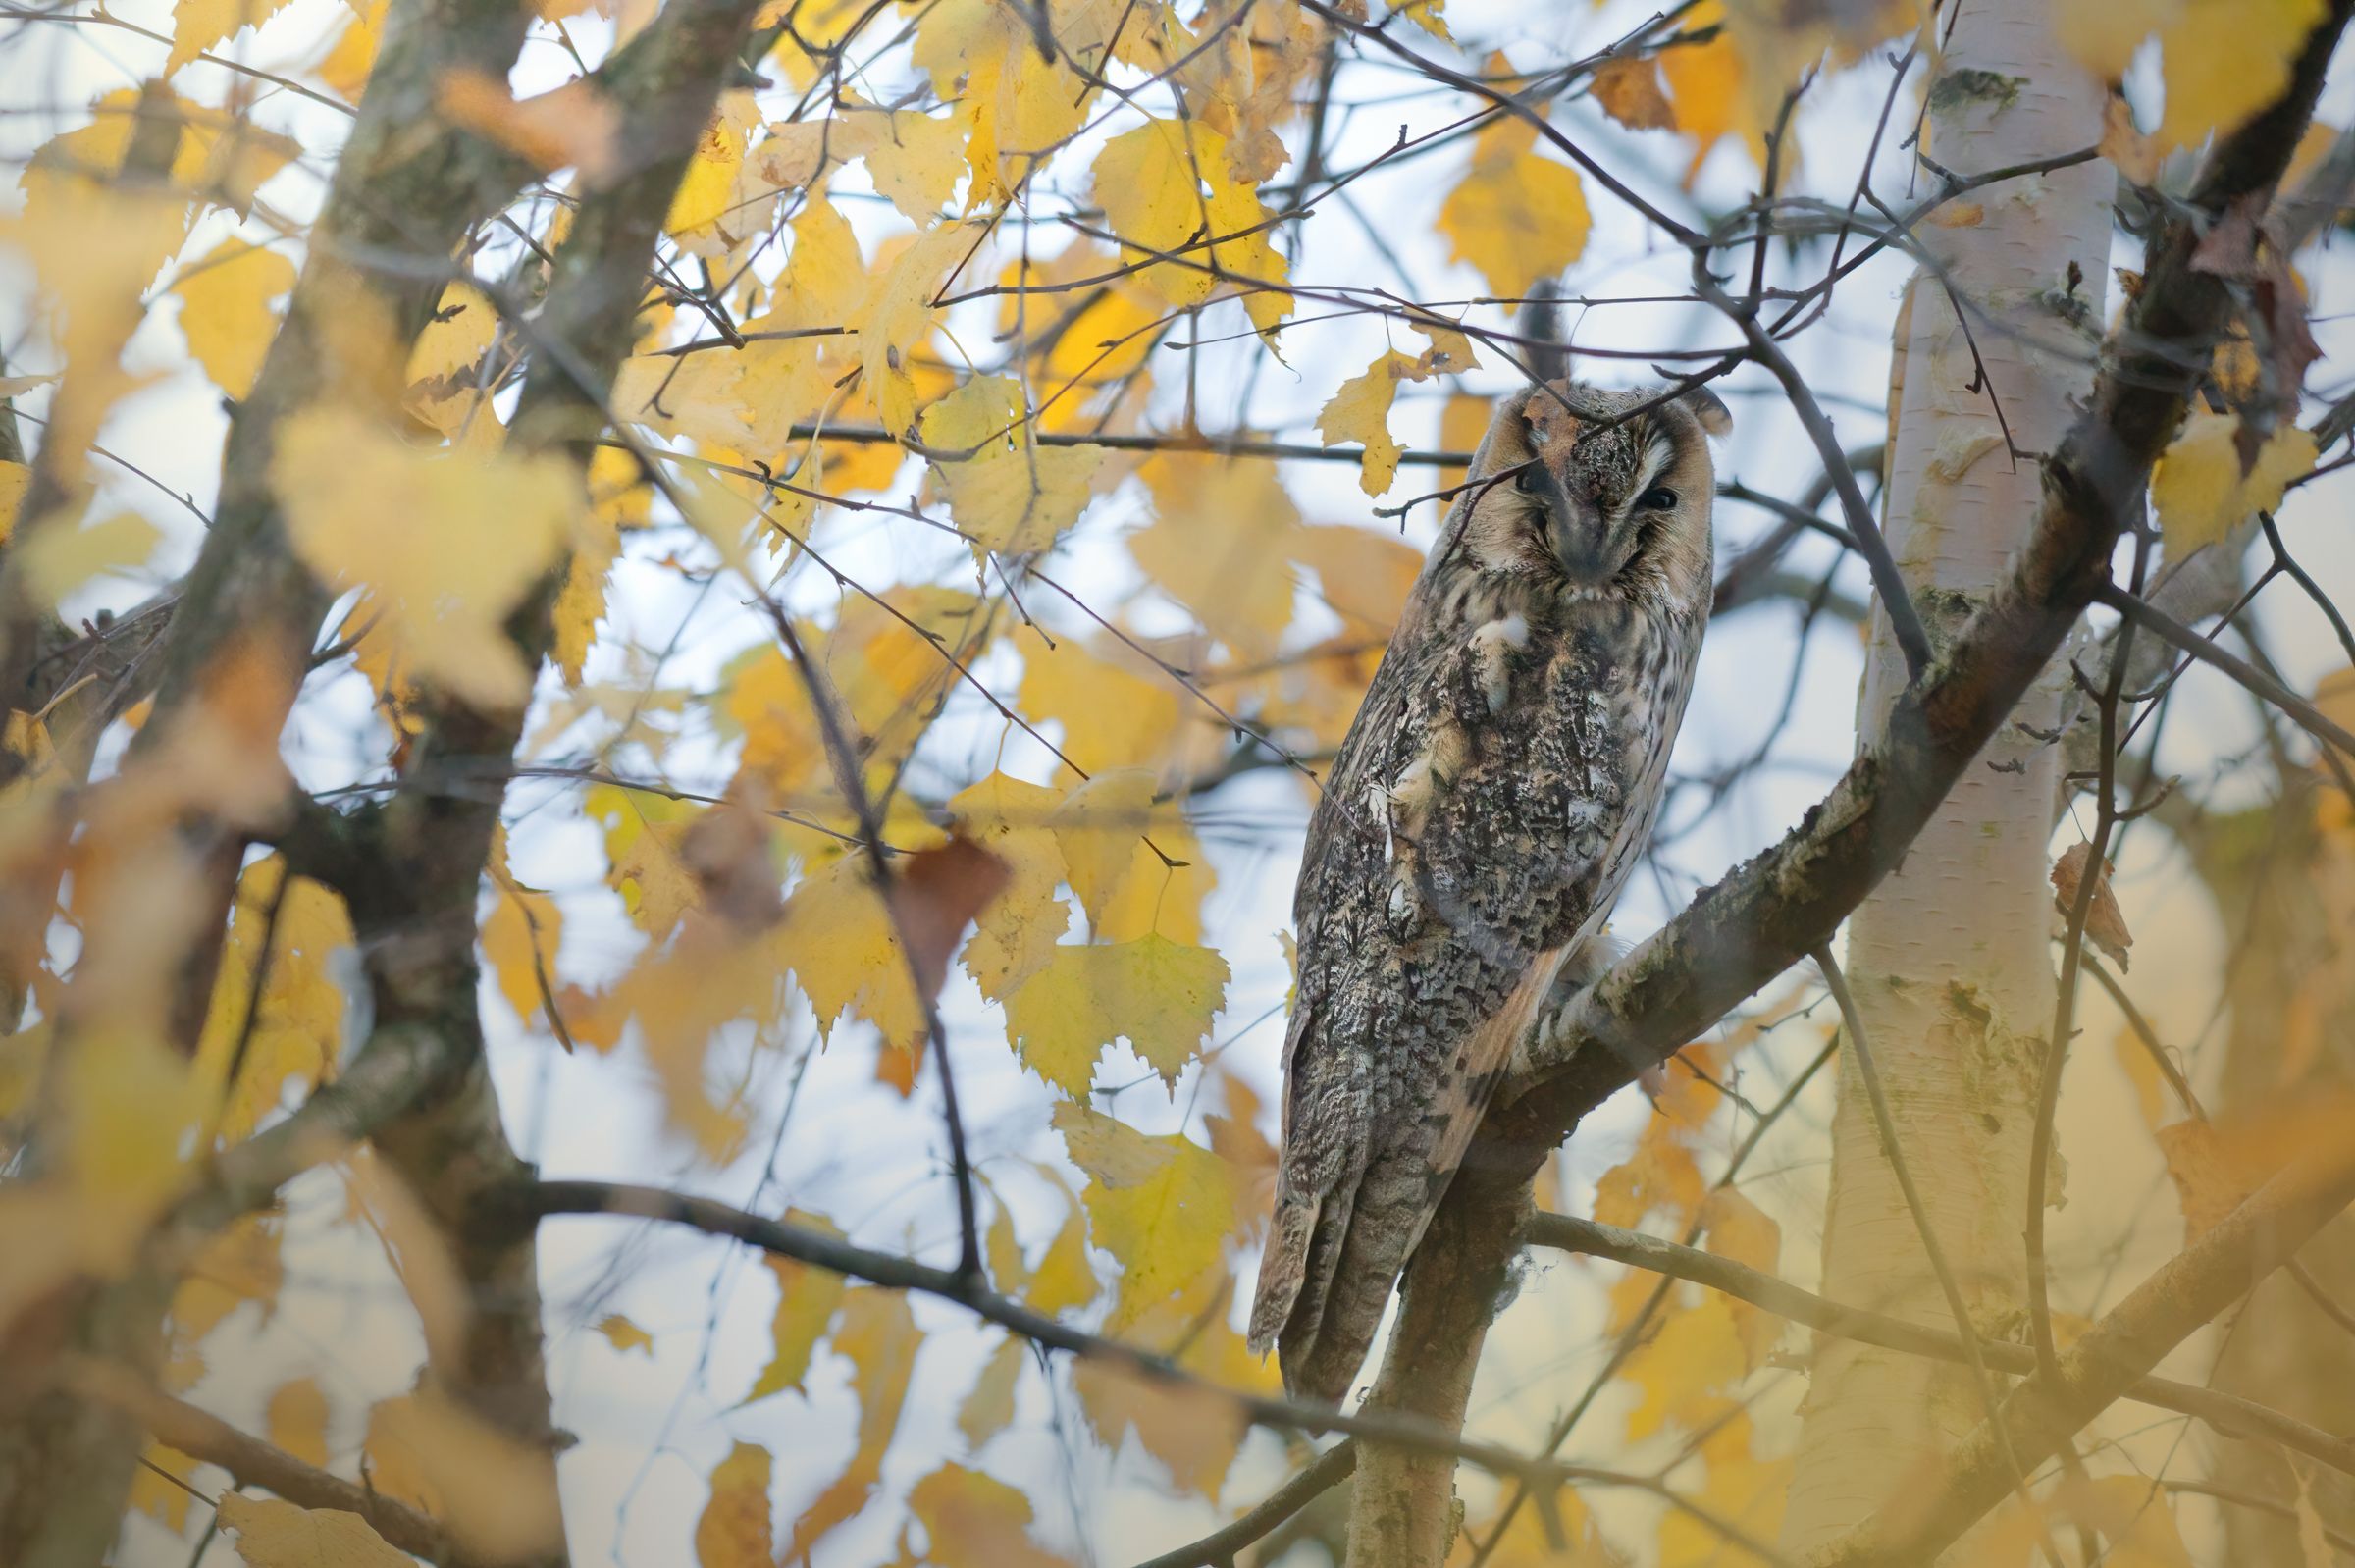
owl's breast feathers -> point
(1483, 812)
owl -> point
(1493, 793)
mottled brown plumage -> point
(1494, 792)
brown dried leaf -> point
(1629, 90)
(2105, 921)
(935, 894)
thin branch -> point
(2310, 718)
(252, 1462)
(2225, 1412)
(1905, 623)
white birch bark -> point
(1950, 960)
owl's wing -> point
(1403, 1029)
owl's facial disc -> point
(1578, 533)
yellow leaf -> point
(1361, 411)
(157, 1498)
(879, 1337)
(278, 1534)
(1428, 15)
(1010, 496)
(446, 544)
(1157, 899)
(623, 1335)
(2200, 490)
(198, 25)
(1711, 90)
(807, 1300)
(734, 1531)
(346, 66)
(520, 939)
(1161, 996)
(707, 216)
(620, 497)
(15, 480)
(496, 1493)
(914, 162)
(1740, 1488)
(1628, 89)
(1516, 217)
(897, 319)
(2150, 1085)
(1362, 575)
(1164, 1206)
(989, 1406)
(839, 942)
(2226, 60)
(1685, 1369)
(1017, 932)
(576, 126)
(1740, 1229)
(237, 1266)
(1194, 1431)
(1222, 531)
(1167, 187)
(1097, 828)
(1064, 1280)
(643, 832)
(1659, 1174)
(296, 1421)
(58, 558)
(444, 375)
(977, 1521)
(2105, 34)
(1110, 717)
(224, 311)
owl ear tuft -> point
(1709, 409)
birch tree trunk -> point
(1950, 959)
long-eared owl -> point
(1493, 793)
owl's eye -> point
(1530, 479)
(1658, 498)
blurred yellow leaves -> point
(1017, 932)
(443, 543)
(1219, 544)
(734, 1531)
(808, 1298)
(1516, 217)
(2223, 60)
(1165, 188)
(879, 1336)
(283, 938)
(975, 1520)
(278, 1534)
(496, 1496)
(224, 311)
(2203, 490)
(198, 25)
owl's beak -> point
(1575, 528)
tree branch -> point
(252, 1462)
(2227, 1413)
(2106, 1362)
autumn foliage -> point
(741, 601)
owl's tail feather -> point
(1356, 1241)
(1282, 1269)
